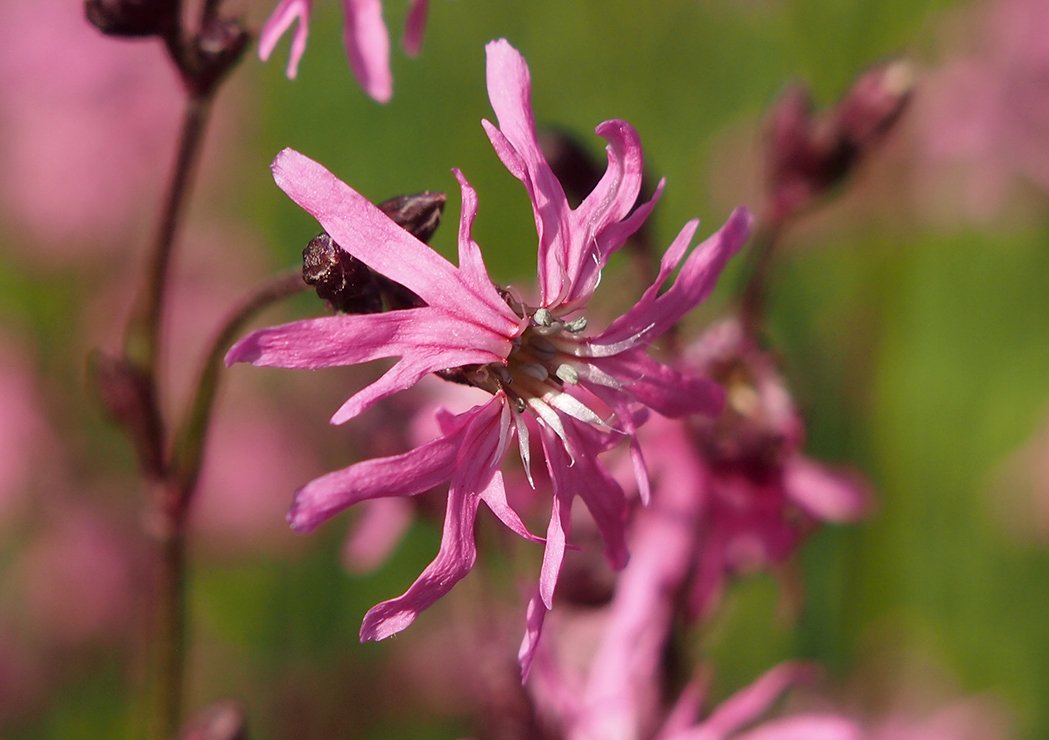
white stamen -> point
(542, 317)
(575, 408)
(567, 374)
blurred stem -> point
(755, 286)
(167, 656)
(190, 440)
(142, 341)
(142, 348)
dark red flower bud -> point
(125, 393)
(573, 165)
(875, 102)
(349, 285)
(809, 154)
(131, 18)
(217, 47)
(418, 214)
(342, 280)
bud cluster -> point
(811, 153)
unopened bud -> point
(125, 393)
(339, 278)
(875, 102)
(131, 18)
(349, 285)
(217, 47)
(809, 154)
(573, 165)
(419, 214)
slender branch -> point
(142, 341)
(188, 451)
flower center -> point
(547, 356)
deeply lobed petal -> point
(656, 312)
(368, 234)
(477, 459)
(286, 13)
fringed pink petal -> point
(350, 339)
(368, 47)
(476, 464)
(286, 13)
(414, 27)
(607, 205)
(471, 263)
(662, 388)
(368, 234)
(509, 89)
(495, 497)
(454, 560)
(655, 313)
(400, 475)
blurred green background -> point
(916, 347)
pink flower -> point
(545, 374)
(986, 112)
(367, 40)
(760, 495)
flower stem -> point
(188, 454)
(142, 349)
(142, 341)
(168, 635)
(755, 287)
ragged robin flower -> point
(546, 373)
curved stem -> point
(142, 340)
(188, 452)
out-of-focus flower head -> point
(364, 33)
(581, 393)
(809, 153)
(76, 579)
(986, 117)
(84, 124)
(24, 438)
(1020, 488)
(761, 496)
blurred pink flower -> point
(735, 717)
(986, 113)
(24, 437)
(76, 579)
(760, 495)
(544, 372)
(85, 124)
(1019, 490)
(365, 35)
